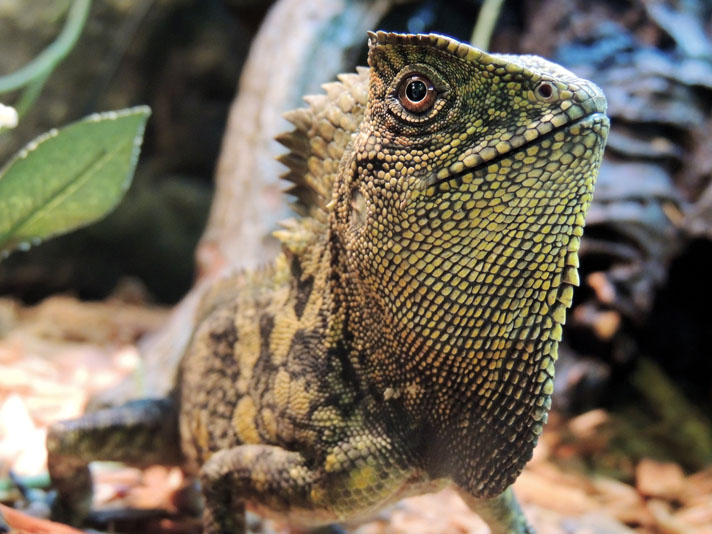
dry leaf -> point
(658, 479)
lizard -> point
(405, 338)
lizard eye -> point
(417, 93)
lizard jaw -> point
(590, 121)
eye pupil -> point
(416, 91)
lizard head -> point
(461, 213)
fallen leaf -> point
(658, 479)
(24, 524)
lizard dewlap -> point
(406, 337)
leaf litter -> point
(55, 355)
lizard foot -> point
(502, 514)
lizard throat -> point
(587, 121)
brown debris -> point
(658, 479)
(46, 373)
(25, 524)
(66, 318)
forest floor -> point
(57, 354)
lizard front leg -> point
(502, 514)
(267, 475)
(140, 433)
(355, 477)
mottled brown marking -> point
(304, 286)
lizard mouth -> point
(587, 122)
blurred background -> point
(636, 358)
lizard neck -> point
(475, 419)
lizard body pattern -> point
(405, 339)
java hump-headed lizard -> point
(405, 339)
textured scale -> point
(407, 335)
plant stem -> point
(30, 94)
(486, 21)
(47, 60)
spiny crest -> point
(421, 42)
(533, 66)
(433, 40)
(322, 132)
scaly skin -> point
(406, 337)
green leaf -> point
(70, 177)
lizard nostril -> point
(545, 91)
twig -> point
(486, 21)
